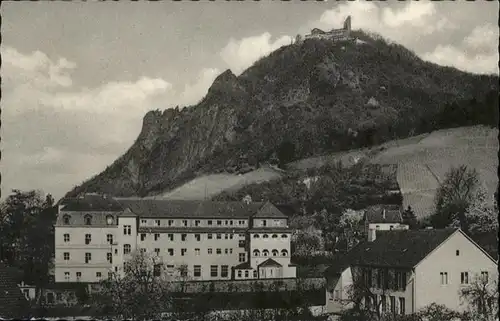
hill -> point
(306, 99)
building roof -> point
(268, 210)
(270, 262)
(13, 303)
(91, 203)
(243, 266)
(190, 208)
(384, 214)
(398, 248)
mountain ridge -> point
(300, 101)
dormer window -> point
(275, 236)
(109, 220)
(66, 219)
(265, 236)
(256, 236)
(88, 219)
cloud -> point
(55, 134)
(241, 54)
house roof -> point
(268, 210)
(91, 203)
(384, 214)
(13, 303)
(270, 262)
(397, 248)
(243, 266)
(189, 208)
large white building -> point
(95, 236)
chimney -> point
(372, 235)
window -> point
(184, 222)
(127, 249)
(209, 222)
(384, 303)
(183, 237)
(224, 271)
(275, 252)
(231, 222)
(66, 276)
(264, 223)
(254, 274)
(219, 222)
(110, 275)
(241, 257)
(241, 243)
(457, 252)
(183, 252)
(275, 236)
(197, 271)
(209, 236)
(170, 252)
(171, 237)
(157, 251)
(391, 227)
(226, 251)
(284, 252)
(231, 236)
(277, 222)
(88, 220)
(66, 219)
(218, 251)
(239, 273)
(66, 256)
(246, 273)
(392, 303)
(109, 257)
(401, 305)
(109, 238)
(78, 276)
(196, 251)
(256, 236)
(213, 270)
(400, 280)
(226, 222)
(197, 237)
(265, 236)
(143, 222)
(379, 278)
(209, 251)
(197, 223)
(127, 230)
(157, 236)
(116, 251)
(226, 236)
(143, 236)
(265, 253)
(284, 236)
(170, 222)
(464, 278)
(230, 251)
(98, 275)
(484, 276)
(377, 227)
(157, 269)
(109, 220)
(88, 238)
(66, 237)
(219, 236)
(157, 222)
(88, 257)
(444, 278)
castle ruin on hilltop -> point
(334, 34)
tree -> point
(410, 218)
(349, 228)
(27, 235)
(141, 293)
(482, 296)
(454, 195)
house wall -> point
(444, 259)
(386, 226)
(338, 293)
(279, 243)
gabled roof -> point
(269, 263)
(189, 208)
(13, 303)
(243, 266)
(398, 248)
(268, 210)
(384, 214)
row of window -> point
(197, 223)
(464, 277)
(197, 237)
(266, 236)
(98, 275)
(88, 220)
(373, 303)
(247, 274)
(197, 251)
(274, 252)
(385, 278)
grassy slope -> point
(422, 160)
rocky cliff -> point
(302, 100)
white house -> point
(406, 270)
(384, 218)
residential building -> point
(13, 304)
(383, 218)
(405, 270)
(334, 34)
(96, 235)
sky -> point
(78, 77)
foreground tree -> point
(454, 196)
(350, 228)
(410, 218)
(482, 296)
(142, 292)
